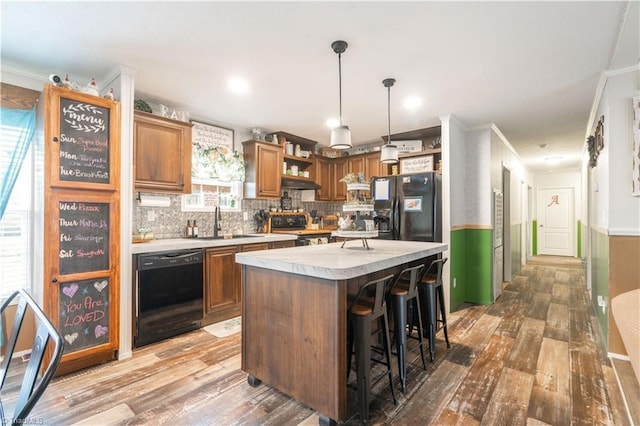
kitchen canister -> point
(294, 170)
(289, 148)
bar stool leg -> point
(400, 323)
(349, 347)
(417, 309)
(431, 301)
(387, 345)
(362, 330)
(443, 314)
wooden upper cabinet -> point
(263, 169)
(340, 169)
(356, 164)
(328, 173)
(373, 166)
(161, 154)
(323, 168)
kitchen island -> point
(294, 312)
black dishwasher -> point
(168, 295)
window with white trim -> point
(16, 224)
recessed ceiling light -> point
(238, 85)
(333, 122)
(553, 160)
(543, 145)
(412, 102)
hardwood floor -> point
(534, 357)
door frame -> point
(572, 218)
(506, 224)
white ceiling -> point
(532, 68)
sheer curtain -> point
(17, 128)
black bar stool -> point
(403, 296)
(368, 305)
(432, 292)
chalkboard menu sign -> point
(83, 237)
(84, 142)
(84, 313)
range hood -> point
(290, 183)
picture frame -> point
(420, 164)
(211, 135)
(600, 134)
(408, 146)
(211, 149)
(412, 204)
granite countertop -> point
(332, 262)
(189, 243)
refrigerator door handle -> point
(396, 218)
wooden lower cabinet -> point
(223, 278)
(283, 244)
(221, 285)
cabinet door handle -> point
(55, 139)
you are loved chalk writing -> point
(84, 313)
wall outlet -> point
(151, 216)
(245, 216)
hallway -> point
(533, 357)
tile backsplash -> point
(171, 222)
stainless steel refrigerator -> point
(408, 207)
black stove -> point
(296, 224)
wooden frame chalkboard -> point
(81, 223)
(83, 229)
(83, 313)
(82, 154)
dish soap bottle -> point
(189, 230)
(195, 229)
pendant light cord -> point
(340, 83)
(389, 113)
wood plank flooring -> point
(534, 358)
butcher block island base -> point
(294, 314)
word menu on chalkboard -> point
(84, 313)
(84, 142)
(83, 237)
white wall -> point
(456, 166)
(624, 209)
(477, 204)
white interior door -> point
(555, 221)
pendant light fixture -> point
(340, 135)
(389, 152)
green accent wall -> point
(471, 257)
(534, 237)
(579, 240)
(600, 278)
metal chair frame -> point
(31, 388)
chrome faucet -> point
(217, 218)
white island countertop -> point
(331, 262)
(190, 243)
